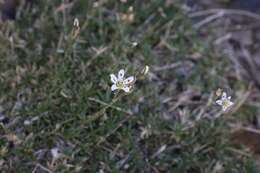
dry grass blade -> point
(209, 19)
(167, 67)
(110, 105)
(225, 11)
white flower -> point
(225, 101)
(120, 83)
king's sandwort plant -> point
(120, 83)
(76, 94)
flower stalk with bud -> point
(76, 28)
(119, 84)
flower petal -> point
(114, 87)
(224, 96)
(126, 89)
(219, 102)
(224, 108)
(113, 78)
(129, 80)
(121, 74)
(229, 98)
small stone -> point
(27, 122)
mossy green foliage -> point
(53, 76)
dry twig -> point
(226, 12)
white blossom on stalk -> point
(225, 101)
(120, 83)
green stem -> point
(98, 114)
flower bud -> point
(218, 92)
(76, 22)
(145, 70)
